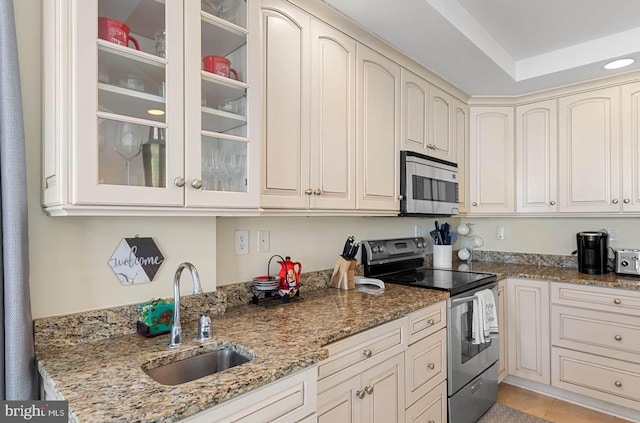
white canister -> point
(442, 256)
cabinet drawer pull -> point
(367, 353)
(618, 338)
(431, 366)
(368, 389)
(618, 383)
(179, 182)
(617, 301)
(614, 201)
(360, 394)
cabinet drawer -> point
(426, 321)
(606, 299)
(608, 334)
(431, 407)
(603, 378)
(361, 347)
(286, 400)
(426, 365)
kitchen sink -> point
(193, 368)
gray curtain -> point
(16, 331)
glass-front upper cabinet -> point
(221, 102)
(150, 103)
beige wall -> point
(316, 242)
(551, 235)
(69, 271)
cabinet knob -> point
(626, 201)
(360, 394)
(196, 183)
(618, 383)
(179, 181)
(308, 191)
(617, 301)
(400, 197)
(317, 192)
(431, 366)
(614, 201)
(367, 353)
(368, 389)
(553, 203)
(474, 204)
(618, 338)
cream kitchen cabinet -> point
(492, 161)
(132, 123)
(503, 327)
(378, 131)
(631, 147)
(460, 129)
(363, 378)
(589, 151)
(428, 119)
(528, 329)
(537, 157)
(595, 336)
(308, 154)
(292, 399)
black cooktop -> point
(454, 281)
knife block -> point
(343, 276)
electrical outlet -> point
(501, 232)
(613, 234)
(263, 241)
(242, 242)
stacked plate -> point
(266, 283)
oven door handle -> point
(456, 301)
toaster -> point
(628, 262)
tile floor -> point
(549, 408)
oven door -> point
(466, 360)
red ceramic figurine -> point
(289, 276)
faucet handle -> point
(204, 328)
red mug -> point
(115, 32)
(220, 66)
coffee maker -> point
(593, 252)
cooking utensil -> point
(438, 234)
(348, 245)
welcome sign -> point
(136, 260)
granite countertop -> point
(103, 379)
(549, 273)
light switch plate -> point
(263, 241)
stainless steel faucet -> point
(176, 329)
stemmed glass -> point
(129, 144)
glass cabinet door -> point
(218, 89)
(130, 76)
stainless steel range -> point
(472, 369)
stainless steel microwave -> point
(428, 186)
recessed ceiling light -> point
(155, 112)
(617, 64)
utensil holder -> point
(343, 276)
(442, 256)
